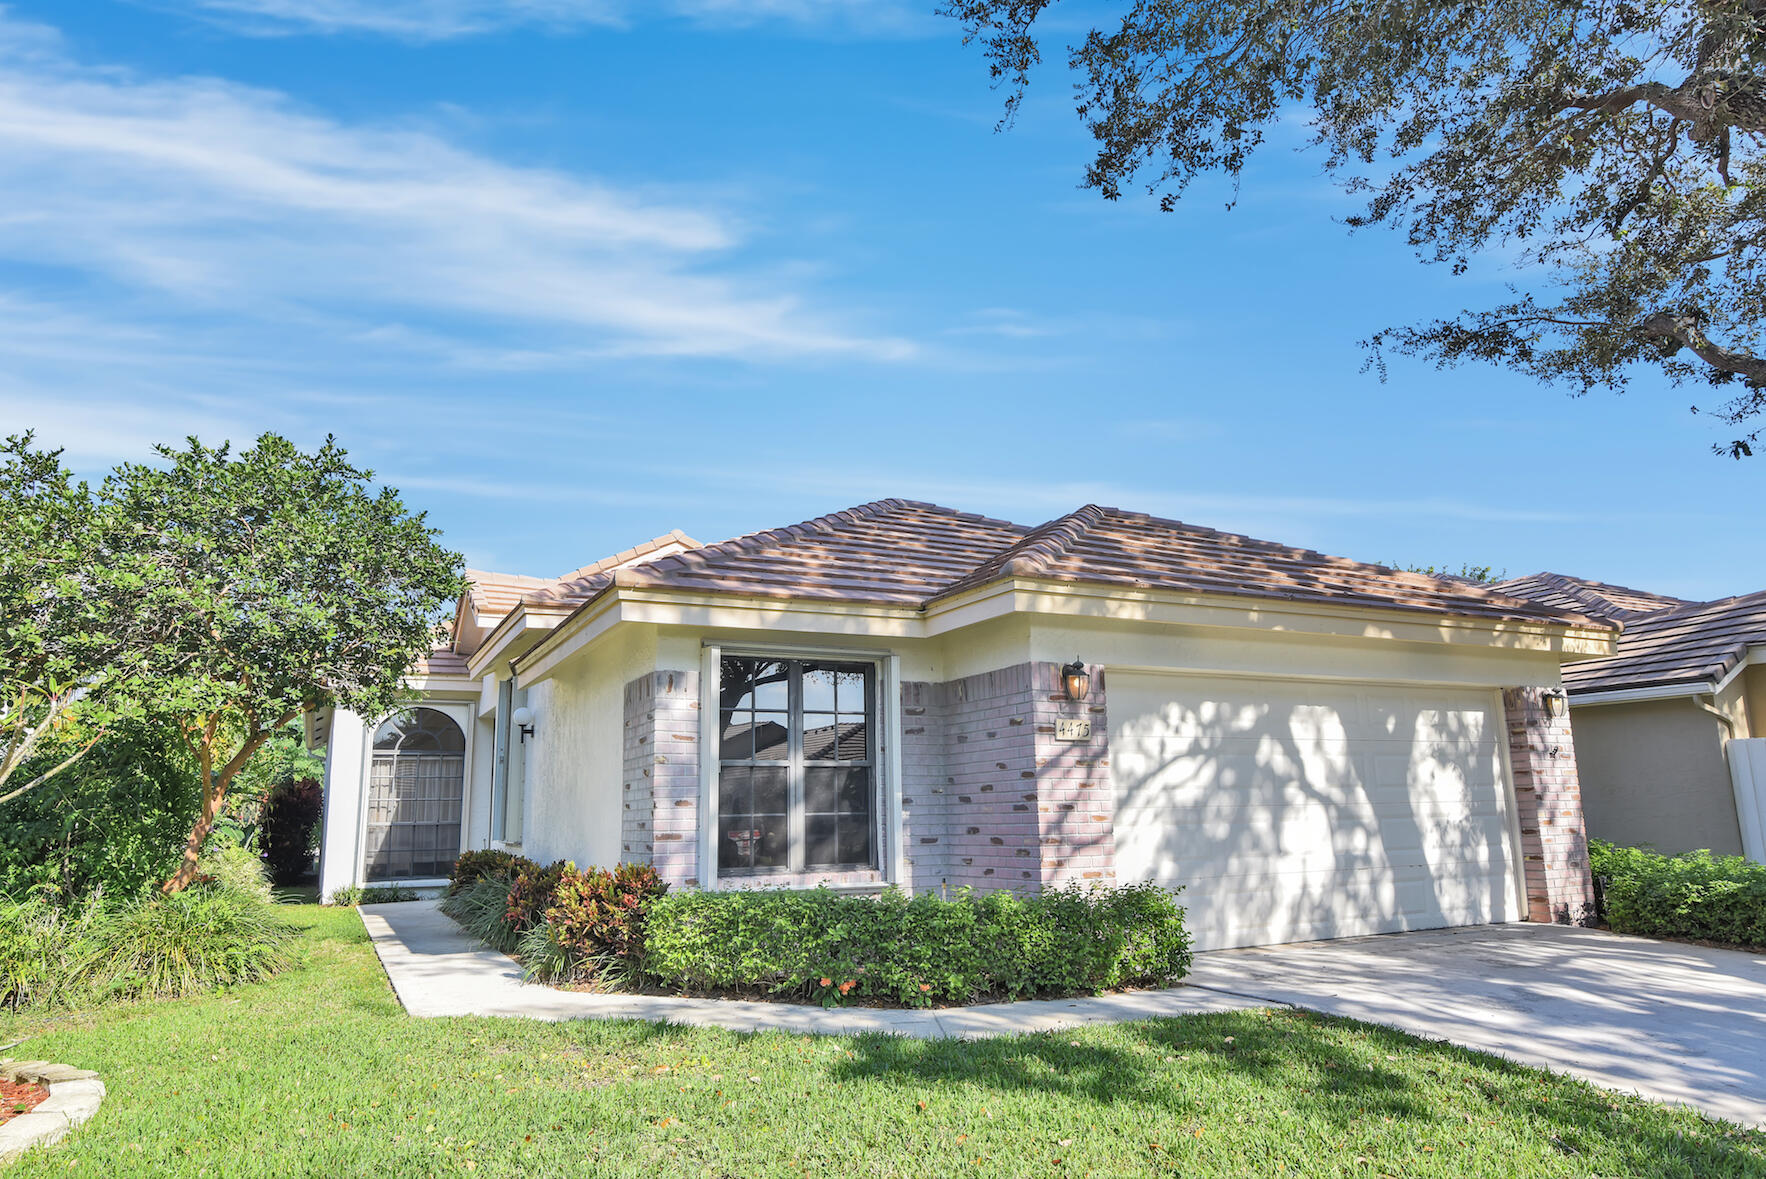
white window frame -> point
(461, 714)
(886, 703)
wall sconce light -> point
(1076, 679)
(523, 718)
(1556, 704)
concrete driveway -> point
(1672, 1022)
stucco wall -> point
(1653, 773)
(1753, 682)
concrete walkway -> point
(436, 969)
(1672, 1022)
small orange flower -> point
(925, 986)
(827, 982)
(845, 987)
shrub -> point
(531, 890)
(474, 866)
(1696, 895)
(353, 896)
(43, 950)
(285, 828)
(482, 909)
(823, 945)
(594, 926)
(230, 866)
(203, 937)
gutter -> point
(1723, 718)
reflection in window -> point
(797, 769)
(416, 787)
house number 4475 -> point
(1072, 729)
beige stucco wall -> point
(1653, 773)
(576, 757)
(1753, 684)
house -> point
(1670, 728)
(903, 694)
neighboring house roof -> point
(443, 661)
(1696, 646)
(1595, 598)
(1666, 642)
(898, 551)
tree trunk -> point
(214, 793)
(185, 876)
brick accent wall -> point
(989, 798)
(1548, 797)
(1075, 801)
(660, 820)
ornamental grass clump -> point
(1697, 895)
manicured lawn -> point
(319, 1073)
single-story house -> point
(1671, 727)
(903, 694)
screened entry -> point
(416, 788)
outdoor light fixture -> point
(1555, 704)
(1076, 679)
(523, 718)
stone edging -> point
(74, 1096)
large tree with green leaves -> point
(281, 581)
(1613, 145)
(75, 641)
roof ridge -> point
(672, 536)
(704, 555)
(1045, 544)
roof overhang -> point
(665, 606)
(1754, 656)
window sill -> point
(856, 880)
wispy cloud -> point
(434, 20)
(203, 195)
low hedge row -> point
(565, 924)
(917, 951)
(1696, 895)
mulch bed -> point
(17, 1097)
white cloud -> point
(432, 20)
(198, 195)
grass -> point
(318, 1072)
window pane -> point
(734, 790)
(772, 685)
(818, 688)
(822, 844)
(855, 792)
(772, 849)
(769, 790)
(772, 736)
(820, 737)
(855, 840)
(853, 686)
(737, 743)
(736, 689)
(821, 788)
(737, 836)
(855, 739)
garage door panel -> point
(1302, 810)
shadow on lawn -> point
(1174, 1065)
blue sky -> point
(571, 273)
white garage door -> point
(1292, 810)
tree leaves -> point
(1612, 148)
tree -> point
(74, 640)
(283, 581)
(1615, 145)
(1478, 574)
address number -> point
(1072, 729)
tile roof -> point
(902, 552)
(1696, 645)
(441, 661)
(495, 594)
(1588, 597)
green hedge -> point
(837, 948)
(1696, 895)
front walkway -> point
(1673, 1022)
(436, 969)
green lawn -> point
(319, 1073)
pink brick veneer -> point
(1548, 797)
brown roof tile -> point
(1693, 645)
(1588, 597)
(908, 553)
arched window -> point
(416, 788)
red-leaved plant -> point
(598, 911)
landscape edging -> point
(74, 1096)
